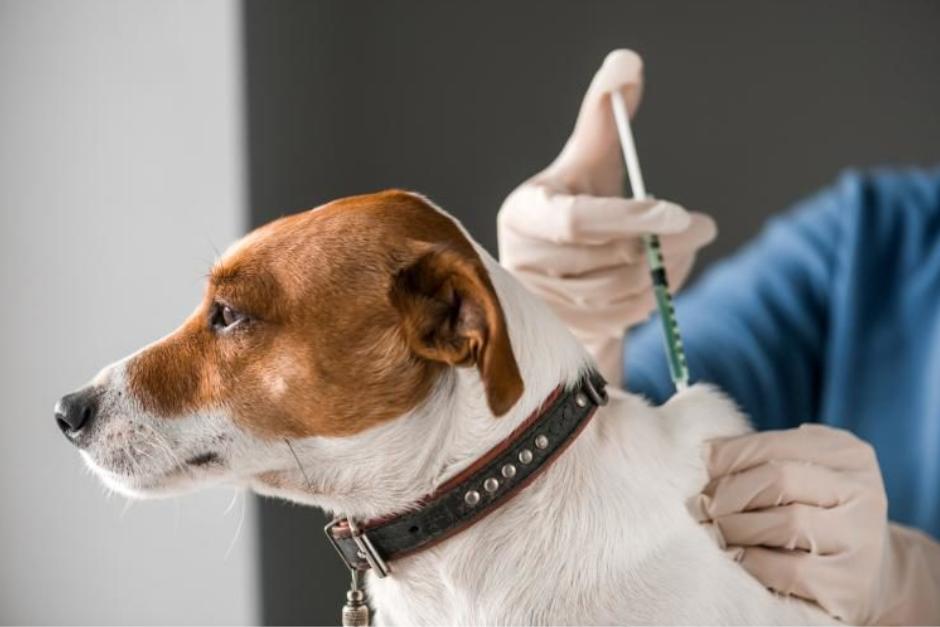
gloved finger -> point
(787, 572)
(677, 271)
(777, 483)
(590, 162)
(712, 530)
(834, 448)
(586, 299)
(700, 232)
(598, 288)
(794, 526)
(609, 285)
(622, 70)
(564, 259)
(679, 250)
(606, 321)
(540, 213)
(570, 259)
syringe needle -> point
(678, 368)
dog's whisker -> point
(160, 441)
(168, 455)
(161, 444)
(235, 494)
(299, 465)
(238, 528)
(215, 249)
(130, 459)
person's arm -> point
(804, 510)
(755, 325)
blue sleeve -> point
(755, 325)
(831, 315)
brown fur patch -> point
(319, 288)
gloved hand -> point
(804, 511)
(571, 238)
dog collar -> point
(500, 474)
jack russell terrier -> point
(369, 358)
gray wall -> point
(120, 170)
(749, 105)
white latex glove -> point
(571, 238)
(804, 511)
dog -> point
(357, 356)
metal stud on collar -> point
(525, 456)
(471, 498)
(541, 441)
(491, 485)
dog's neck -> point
(547, 354)
(447, 432)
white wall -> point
(120, 171)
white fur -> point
(602, 537)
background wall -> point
(749, 105)
(120, 172)
(120, 176)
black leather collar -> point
(488, 483)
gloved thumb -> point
(590, 161)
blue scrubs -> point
(831, 315)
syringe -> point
(675, 354)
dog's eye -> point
(224, 317)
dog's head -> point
(327, 323)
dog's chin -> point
(167, 484)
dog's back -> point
(695, 581)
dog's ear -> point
(450, 314)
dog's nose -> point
(76, 411)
